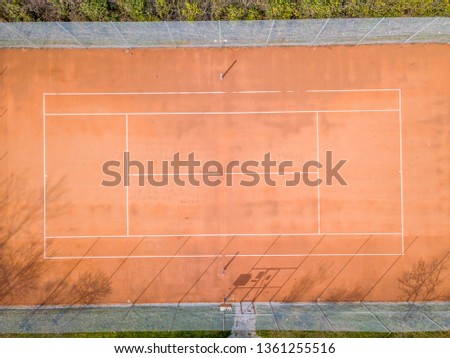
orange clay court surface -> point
(385, 109)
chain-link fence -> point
(368, 317)
(225, 33)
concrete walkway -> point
(245, 322)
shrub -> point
(65, 9)
(218, 9)
(162, 9)
(355, 8)
(235, 12)
(192, 12)
(14, 10)
(95, 10)
(44, 10)
(317, 9)
(134, 10)
(413, 7)
(281, 9)
(255, 12)
(154, 10)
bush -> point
(255, 12)
(235, 12)
(192, 12)
(217, 9)
(162, 9)
(65, 9)
(414, 7)
(95, 10)
(44, 10)
(281, 9)
(318, 9)
(14, 10)
(134, 10)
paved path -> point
(245, 322)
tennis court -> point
(382, 109)
(163, 215)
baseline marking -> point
(163, 93)
(215, 113)
(207, 256)
(355, 90)
(213, 235)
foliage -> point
(14, 10)
(162, 9)
(235, 12)
(95, 10)
(194, 10)
(134, 10)
(281, 9)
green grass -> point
(315, 334)
(175, 334)
(225, 334)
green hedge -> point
(194, 10)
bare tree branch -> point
(423, 281)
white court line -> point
(215, 113)
(206, 256)
(216, 235)
(221, 174)
(215, 92)
(356, 90)
(127, 187)
(163, 93)
(45, 176)
(401, 169)
(227, 113)
(318, 161)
